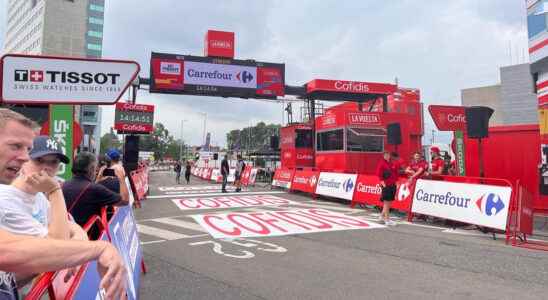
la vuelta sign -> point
(448, 118)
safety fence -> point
(492, 204)
(248, 177)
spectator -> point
(437, 162)
(177, 168)
(417, 167)
(240, 167)
(399, 163)
(387, 173)
(449, 166)
(83, 197)
(34, 255)
(187, 171)
(225, 170)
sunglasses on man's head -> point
(50, 162)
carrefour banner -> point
(338, 185)
(484, 205)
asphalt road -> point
(406, 261)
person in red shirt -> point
(388, 175)
(417, 167)
(437, 162)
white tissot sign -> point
(338, 185)
(199, 73)
(35, 79)
(484, 205)
(277, 223)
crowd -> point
(391, 167)
(41, 217)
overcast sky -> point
(439, 47)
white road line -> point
(180, 223)
(215, 194)
(152, 242)
(332, 207)
(161, 233)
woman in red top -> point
(437, 161)
(388, 174)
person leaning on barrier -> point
(85, 198)
(417, 167)
(33, 255)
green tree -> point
(161, 142)
(109, 140)
(252, 138)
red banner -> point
(245, 175)
(219, 44)
(167, 74)
(368, 191)
(124, 106)
(283, 178)
(270, 82)
(322, 85)
(448, 118)
(305, 181)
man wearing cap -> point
(437, 162)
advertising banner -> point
(484, 205)
(252, 176)
(460, 153)
(277, 223)
(64, 80)
(61, 130)
(219, 44)
(282, 178)
(225, 77)
(448, 118)
(338, 185)
(230, 202)
(305, 181)
(355, 87)
(368, 191)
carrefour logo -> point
(348, 185)
(244, 76)
(489, 202)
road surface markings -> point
(161, 233)
(214, 194)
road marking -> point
(161, 233)
(315, 204)
(180, 223)
(152, 242)
(215, 194)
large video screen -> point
(208, 76)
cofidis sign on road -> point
(484, 205)
(49, 80)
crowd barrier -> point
(490, 203)
(121, 231)
(249, 175)
(139, 180)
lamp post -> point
(205, 123)
(181, 146)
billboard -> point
(63, 80)
(209, 76)
(133, 118)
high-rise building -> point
(59, 28)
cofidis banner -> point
(484, 205)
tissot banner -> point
(484, 205)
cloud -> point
(439, 47)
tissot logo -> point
(170, 68)
(65, 77)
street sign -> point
(448, 118)
(134, 118)
(64, 80)
(209, 76)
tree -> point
(252, 138)
(110, 140)
(160, 142)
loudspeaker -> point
(274, 142)
(131, 152)
(393, 134)
(215, 156)
(477, 121)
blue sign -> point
(123, 232)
